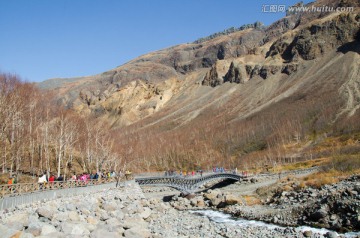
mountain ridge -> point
(253, 96)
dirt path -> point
(263, 181)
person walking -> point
(42, 181)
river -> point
(221, 217)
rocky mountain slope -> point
(296, 78)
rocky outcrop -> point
(318, 39)
(212, 78)
(235, 74)
(335, 207)
(289, 68)
(268, 70)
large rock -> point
(146, 213)
(47, 229)
(27, 235)
(35, 227)
(113, 222)
(45, 212)
(7, 232)
(131, 222)
(91, 220)
(21, 219)
(212, 77)
(215, 197)
(231, 199)
(319, 214)
(109, 206)
(136, 232)
(74, 216)
(71, 228)
(117, 214)
(197, 202)
(70, 207)
(103, 233)
(61, 216)
(235, 74)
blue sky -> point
(42, 39)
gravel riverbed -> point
(128, 212)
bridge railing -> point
(186, 183)
(23, 188)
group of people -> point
(219, 170)
(12, 180)
(94, 175)
(79, 177)
(172, 173)
(44, 178)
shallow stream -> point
(221, 217)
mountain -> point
(258, 94)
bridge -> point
(187, 184)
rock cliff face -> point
(179, 75)
(236, 74)
(317, 39)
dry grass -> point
(346, 164)
(319, 179)
(334, 169)
(300, 165)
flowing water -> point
(221, 217)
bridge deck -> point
(186, 184)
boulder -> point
(109, 206)
(103, 233)
(22, 219)
(113, 222)
(131, 222)
(74, 228)
(47, 229)
(331, 234)
(70, 207)
(215, 197)
(74, 216)
(61, 216)
(91, 220)
(117, 214)
(26, 235)
(307, 233)
(231, 199)
(146, 213)
(7, 232)
(45, 212)
(319, 214)
(136, 232)
(103, 215)
(35, 228)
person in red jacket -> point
(52, 179)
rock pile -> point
(335, 207)
(111, 213)
(210, 199)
